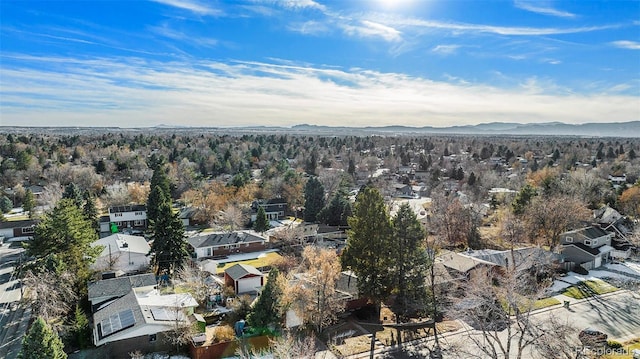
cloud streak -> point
(624, 44)
(544, 10)
(130, 92)
(192, 6)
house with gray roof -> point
(225, 243)
(588, 247)
(103, 291)
(243, 278)
(139, 320)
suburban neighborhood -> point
(431, 250)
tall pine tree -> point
(66, 233)
(313, 199)
(369, 247)
(169, 249)
(267, 309)
(410, 263)
(261, 224)
(41, 342)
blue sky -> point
(341, 63)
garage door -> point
(598, 262)
(248, 284)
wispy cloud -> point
(500, 30)
(311, 27)
(540, 8)
(372, 29)
(128, 92)
(193, 6)
(294, 4)
(446, 49)
(625, 44)
(168, 32)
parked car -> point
(592, 338)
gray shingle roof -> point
(118, 287)
(223, 238)
(240, 270)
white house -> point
(129, 217)
(122, 252)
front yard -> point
(627, 350)
(589, 288)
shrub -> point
(614, 344)
(223, 333)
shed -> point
(244, 278)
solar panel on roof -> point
(117, 322)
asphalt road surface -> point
(14, 318)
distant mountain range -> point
(614, 129)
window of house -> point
(117, 214)
(569, 239)
(27, 230)
(587, 242)
(595, 241)
(209, 252)
(138, 213)
(138, 223)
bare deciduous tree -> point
(314, 296)
(51, 295)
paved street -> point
(617, 314)
(14, 319)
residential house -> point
(618, 180)
(275, 208)
(127, 218)
(225, 243)
(103, 291)
(243, 278)
(588, 247)
(611, 220)
(17, 230)
(140, 320)
(122, 252)
(461, 265)
(186, 215)
(403, 190)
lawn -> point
(266, 260)
(546, 302)
(628, 348)
(589, 288)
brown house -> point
(226, 243)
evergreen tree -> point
(72, 192)
(369, 246)
(5, 204)
(337, 211)
(472, 179)
(29, 202)
(313, 199)
(65, 233)
(262, 223)
(522, 199)
(156, 199)
(267, 311)
(169, 248)
(160, 179)
(80, 328)
(632, 154)
(41, 342)
(90, 211)
(410, 262)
